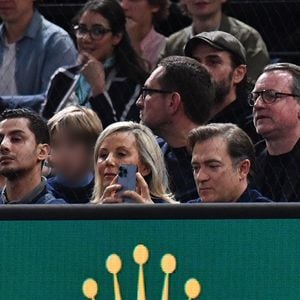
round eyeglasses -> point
(96, 32)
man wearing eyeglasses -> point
(176, 98)
(31, 49)
(276, 112)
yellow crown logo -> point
(91, 289)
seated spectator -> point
(208, 16)
(176, 98)
(111, 77)
(24, 147)
(73, 134)
(276, 112)
(31, 49)
(225, 59)
(141, 17)
(222, 158)
(129, 143)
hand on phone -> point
(128, 187)
(127, 179)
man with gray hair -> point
(276, 112)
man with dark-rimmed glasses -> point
(276, 113)
(176, 98)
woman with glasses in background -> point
(109, 76)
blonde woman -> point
(129, 143)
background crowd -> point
(204, 114)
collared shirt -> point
(7, 71)
(44, 48)
(152, 45)
(39, 195)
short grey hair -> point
(293, 69)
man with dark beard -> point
(24, 146)
(225, 59)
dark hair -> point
(192, 81)
(36, 124)
(127, 59)
(293, 69)
(244, 87)
(163, 10)
(239, 144)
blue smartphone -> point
(127, 179)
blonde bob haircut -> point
(149, 154)
(78, 123)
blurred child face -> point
(101, 47)
(116, 149)
(70, 158)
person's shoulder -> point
(254, 195)
(239, 28)
(198, 200)
(182, 33)
(49, 198)
(52, 28)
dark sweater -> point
(278, 177)
(239, 113)
(250, 195)
(72, 195)
(178, 163)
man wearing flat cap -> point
(225, 59)
(208, 16)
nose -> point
(140, 102)
(258, 103)
(110, 160)
(201, 176)
(5, 145)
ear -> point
(244, 169)
(174, 103)
(117, 39)
(43, 151)
(239, 73)
(144, 170)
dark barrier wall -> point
(234, 251)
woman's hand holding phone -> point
(141, 195)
